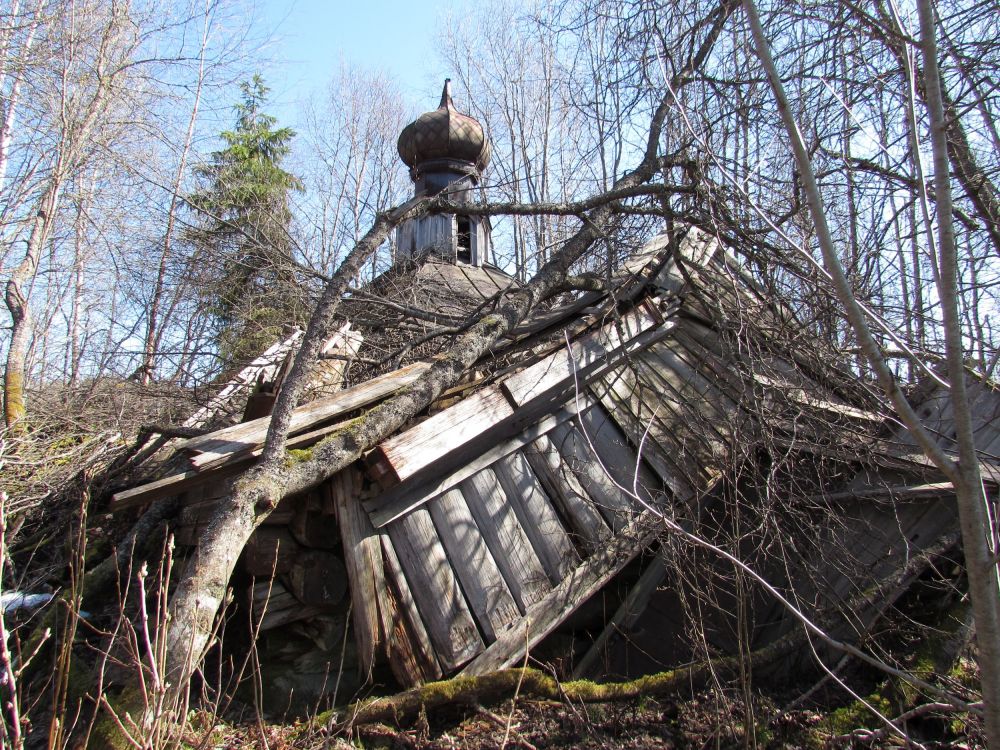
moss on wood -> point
(498, 686)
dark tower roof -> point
(444, 139)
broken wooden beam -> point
(247, 435)
(219, 469)
(402, 456)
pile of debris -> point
(681, 396)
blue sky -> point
(309, 38)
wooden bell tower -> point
(446, 151)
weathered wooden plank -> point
(250, 434)
(693, 388)
(691, 418)
(564, 599)
(537, 516)
(411, 655)
(216, 471)
(618, 398)
(619, 458)
(984, 404)
(511, 549)
(668, 425)
(578, 509)
(268, 592)
(700, 347)
(404, 455)
(543, 320)
(801, 396)
(401, 499)
(581, 463)
(484, 586)
(585, 353)
(435, 589)
(272, 605)
(265, 366)
(171, 485)
(363, 560)
(895, 492)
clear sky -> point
(311, 37)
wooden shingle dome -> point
(444, 139)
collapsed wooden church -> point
(529, 510)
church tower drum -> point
(446, 151)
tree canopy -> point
(244, 230)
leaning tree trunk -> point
(977, 535)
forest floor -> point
(525, 724)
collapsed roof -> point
(470, 536)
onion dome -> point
(444, 139)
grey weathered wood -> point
(579, 461)
(564, 599)
(435, 589)
(543, 320)
(691, 386)
(583, 354)
(215, 471)
(691, 419)
(537, 516)
(506, 539)
(411, 655)
(402, 456)
(584, 519)
(550, 378)
(401, 499)
(311, 526)
(270, 551)
(263, 592)
(274, 618)
(617, 392)
(695, 250)
(171, 485)
(487, 592)
(264, 367)
(250, 434)
(318, 578)
(673, 425)
(899, 492)
(617, 457)
(363, 561)
(700, 348)
(272, 605)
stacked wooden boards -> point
(504, 513)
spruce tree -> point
(243, 231)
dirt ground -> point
(529, 724)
